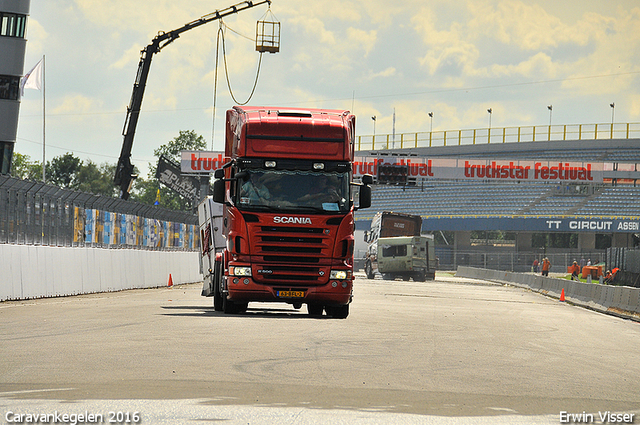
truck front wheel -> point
(230, 307)
(338, 312)
(315, 309)
(217, 287)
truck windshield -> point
(284, 190)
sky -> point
(452, 58)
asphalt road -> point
(446, 351)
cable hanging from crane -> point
(226, 70)
(220, 35)
(267, 40)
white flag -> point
(32, 79)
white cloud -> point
(535, 67)
(524, 25)
(76, 105)
(128, 59)
(361, 40)
(388, 72)
(444, 47)
(36, 35)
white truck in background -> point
(397, 249)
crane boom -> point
(124, 170)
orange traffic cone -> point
(562, 295)
(170, 285)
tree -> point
(96, 179)
(23, 168)
(186, 141)
(62, 170)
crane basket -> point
(268, 33)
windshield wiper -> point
(303, 208)
(256, 207)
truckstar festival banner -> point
(478, 169)
(200, 162)
(194, 162)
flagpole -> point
(44, 163)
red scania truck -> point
(288, 211)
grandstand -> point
(503, 200)
(608, 207)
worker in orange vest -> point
(575, 270)
(546, 265)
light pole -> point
(550, 108)
(373, 139)
(431, 125)
(490, 111)
(613, 112)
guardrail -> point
(500, 135)
(621, 301)
(34, 213)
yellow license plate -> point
(290, 294)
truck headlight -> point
(339, 274)
(240, 271)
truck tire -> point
(228, 306)
(217, 286)
(368, 269)
(315, 309)
(338, 311)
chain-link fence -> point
(626, 259)
(34, 213)
(450, 259)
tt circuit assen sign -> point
(605, 226)
(498, 170)
(533, 224)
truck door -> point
(211, 240)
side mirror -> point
(218, 191)
(218, 174)
(365, 191)
(365, 196)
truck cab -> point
(287, 193)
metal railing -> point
(34, 213)
(500, 259)
(499, 135)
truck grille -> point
(296, 254)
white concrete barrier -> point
(619, 300)
(28, 271)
